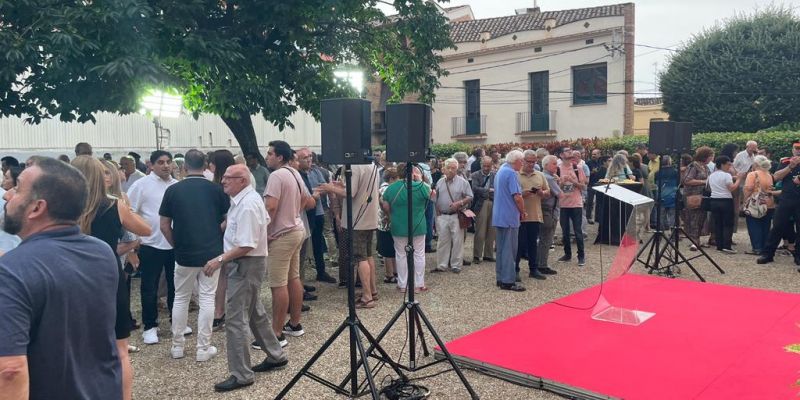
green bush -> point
(446, 150)
(779, 143)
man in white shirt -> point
(744, 159)
(245, 254)
(155, 254)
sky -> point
(660, 23)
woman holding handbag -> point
(723, 185)
(693, 183)
(758, 192)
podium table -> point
(613, 213)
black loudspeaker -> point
(408, 132)
(346, 131)
(670, 137)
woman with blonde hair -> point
(619, 169)
(104, 217)
(759, 180)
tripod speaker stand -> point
(663, 251)
(358, 355)
(414, 312)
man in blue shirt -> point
(507, 210)
(58, 294)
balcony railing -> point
(465, 127)
(536, 123)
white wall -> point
(572, 121)
(119, 134)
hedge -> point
(777, 141)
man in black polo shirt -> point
(191, 213)
(58, 293)
(788, 211)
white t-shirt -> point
(718, 181)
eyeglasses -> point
(530, 161)
(232, 177)
(796, 146)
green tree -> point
(232, 58)
(743, 75)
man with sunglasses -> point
(788, 211)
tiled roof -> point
(648, 101)
(470, 31)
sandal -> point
(390, 279)
(360, 295)
(369, 304)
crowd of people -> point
(211, 229)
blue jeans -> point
(758, 230)
(506, 242)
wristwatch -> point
(219, 259)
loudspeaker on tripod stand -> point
(670, 137)
(408, 132)
(346, 131)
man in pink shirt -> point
(572, 180)
(285, 197)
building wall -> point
(642, 115)
(118, 134)
(497, 61)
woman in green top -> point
(395, 203)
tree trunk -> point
(245, 134)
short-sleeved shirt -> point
(286, 185)
(364, 187)
(197, 208)
(555, 191)
(789, 190)
(504, 209)
(58, 293)
(459, 188)
(397, 197)
(718, 181)
(145, 196)
(247, 223)
(572, 195)
(533, 204)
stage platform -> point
(706, 341)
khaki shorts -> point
(362, 245)
(283, 261)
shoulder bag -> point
(463, 220)
(693, 201)
(756, 204)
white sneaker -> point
(187, 331)
(177, 352)
(207, 354)
(150, 336)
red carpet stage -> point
(706, 341)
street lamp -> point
(160, 104)
(353, 77)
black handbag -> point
(705, 203)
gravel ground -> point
(456, 305)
